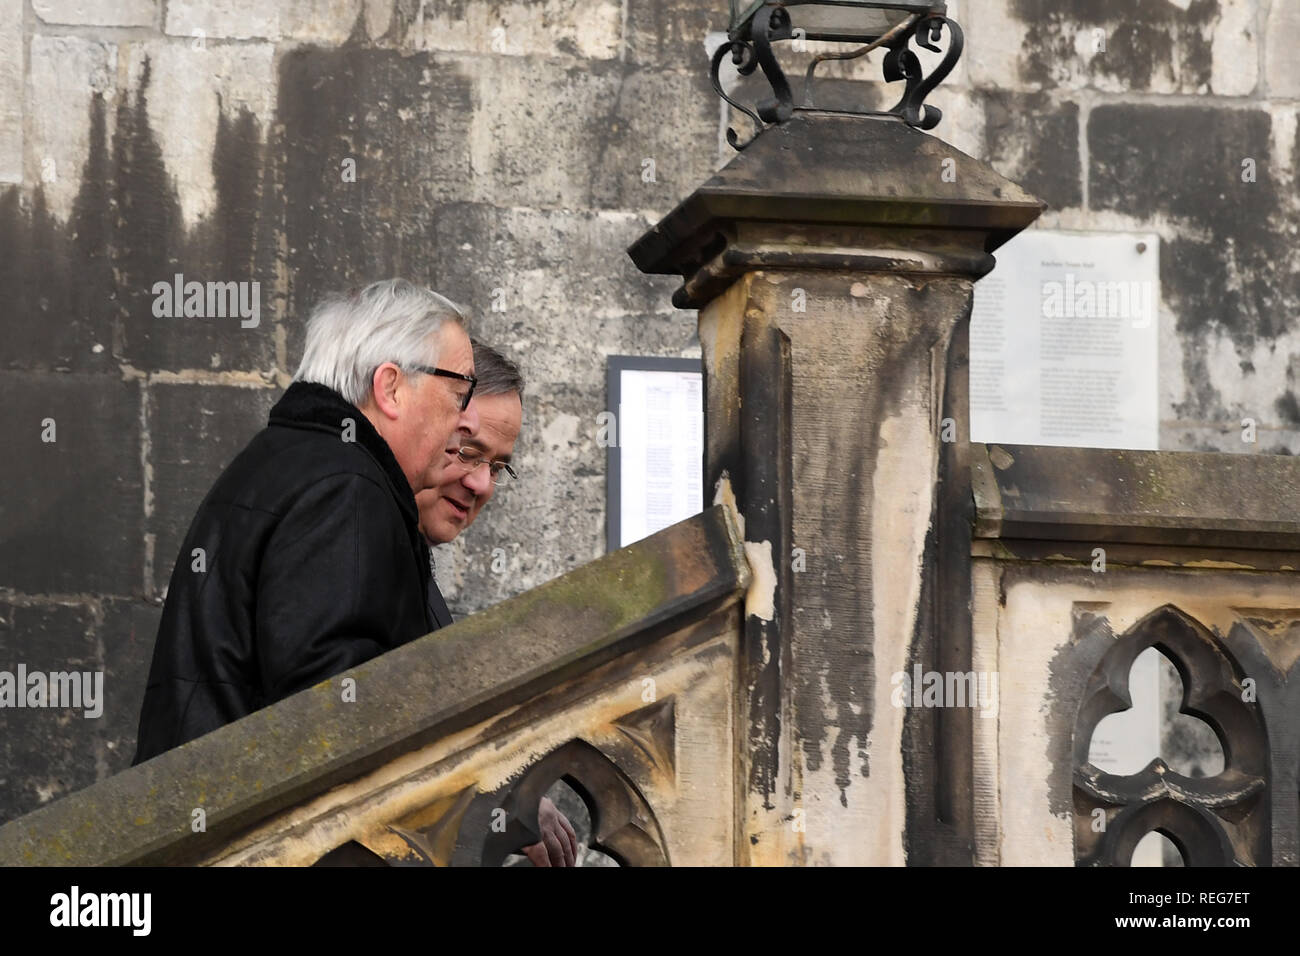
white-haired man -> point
(306, 557)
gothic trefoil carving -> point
(1213, 821)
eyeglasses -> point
(497, 469)
(464, 402)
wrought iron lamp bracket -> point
(772, 24)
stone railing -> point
(616, 677)
(1085, 558)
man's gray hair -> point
(349, 335)
(496, 374)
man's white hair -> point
(349, 335)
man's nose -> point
(479, 480)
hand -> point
(559, 843)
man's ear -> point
(384, 386)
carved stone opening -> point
(1187, 744)
(1213, 821)
(470, 828)
(624, 827)
(575, 810)
(1156, 849)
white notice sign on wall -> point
(661, 446)
(1063, 342)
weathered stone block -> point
(1035, 142)
(527, 156)
(669, 34)
(141, 181)
(70, 518)
(45, 752)
(357, 184)
(154, 165)
(1116, 46)
(127, 634)
(1226, 439)
(194, 97)
(195, 432)
(1281, 65)
(328, 22)
(67, 74)
(595, 144)
(541, 270)
(994, 45)
(157, 339)
(964, 120)
(56, 272)
(11, 91)
(645, 159)
(363, 105)
(1218, 388)
(236, 19)
(1208, 175)
(97, 13)
(56, 281)
(583, 29)
(1236, 49)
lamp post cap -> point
(838, 170)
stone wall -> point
(506, 154)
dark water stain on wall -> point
(151, 244)
(1069, 671)
(90, 281)
(146, 245)
(231, 234)
(79, 298)
(34, 269)
(1035, 143)
(1143, 39)
(49, 270)
(401, 124)
(1226, 265)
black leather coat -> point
(312, 562)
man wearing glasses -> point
(477, 461)
(306, 558)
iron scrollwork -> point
(772, 24)
(903, 64)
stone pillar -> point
(833, 263)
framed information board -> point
(654, 440)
